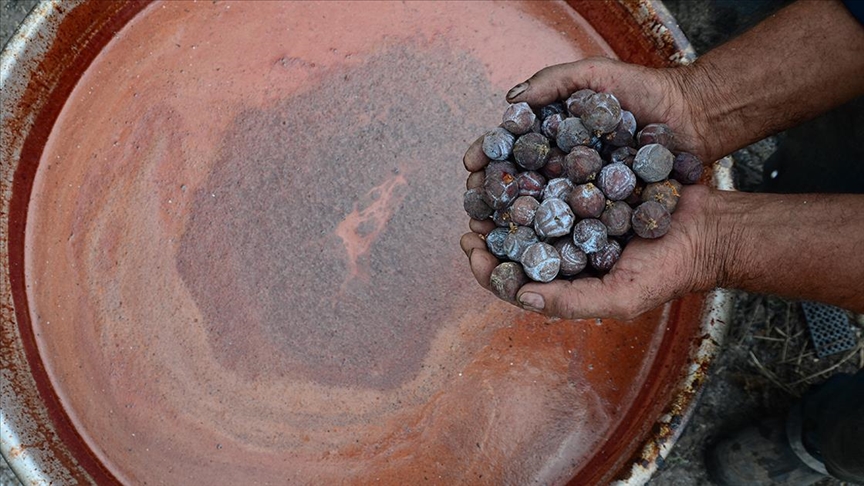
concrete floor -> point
(735, 394)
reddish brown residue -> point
(243, 266)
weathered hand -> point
(649, 273)
(652, 95)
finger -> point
(475, 159)
(482, 264)
(482, 227)
(558, 82)
(471, 241)
(475, 180)
(580, 299)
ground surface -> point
(768, 359)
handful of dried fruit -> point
(570, 184)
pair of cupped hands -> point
(650, 272)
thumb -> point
(558, 82)
(580, 299)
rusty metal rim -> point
(28, 416)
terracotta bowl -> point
(230, 253)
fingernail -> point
(532, 301)
(517, 90)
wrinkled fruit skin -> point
(541, 262)
(556, 108)
(651, 220)
(523, 210)
(623, 155)
(573, 260)
(500, 189)
(589, 235)
(558, 189)
(531, 151)
(518, 119)
(587, 201)
(475, 204)
(653, 163)
(601, 113)
(616, 181)
(501, 217)
(687, 168)
(604, 259)
(554, 167)
(495, 241)
(517, 241)
(498, 144)
(577, 101)
(506, 280)
(658, 133)
(549, 127)
(667, 193)
(571, 132)
(616, 217)
(582, 164)
(531, 184)
(553, 218)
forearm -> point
(808, 247)
(805, 60)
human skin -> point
(806, 59)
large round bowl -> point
(230, 253)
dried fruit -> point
(506, 280)
(558, 189)
(582, 164)
(624, 133)
(589, 235)
(587, 201)
(687, 168)
(519, 118)
(571, 132)
(651, 220)
(556, 108)
(666, 193)
(605, 258)
(616, 217)
(475, 204)
(541, 262)
(616, 181)
(500, 189)
(553, 218)
(531, 151)
(523, 209)
(530, 183)
(498, 144)
(568, 188)
(518, 239)
(501, 217)
(658, 133)
(623, 155)
(549, 127)
(554, 167)
(495, 241)
(601, 113)
(653, 162)
(577, 101)
(573, 260)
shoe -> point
(760, 455)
